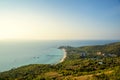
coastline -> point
(64, 56)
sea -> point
(14, 54)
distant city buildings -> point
(83, 54)
(106, 54)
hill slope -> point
(81, 63)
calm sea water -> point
(16, 54)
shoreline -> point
(64, 56)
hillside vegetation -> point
(99, 62)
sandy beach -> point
(65, 55)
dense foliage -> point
(81, 63)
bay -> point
(14, 54)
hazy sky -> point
(59, 19)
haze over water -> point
(16, 54)
(25, 23)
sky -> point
(59, 19)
